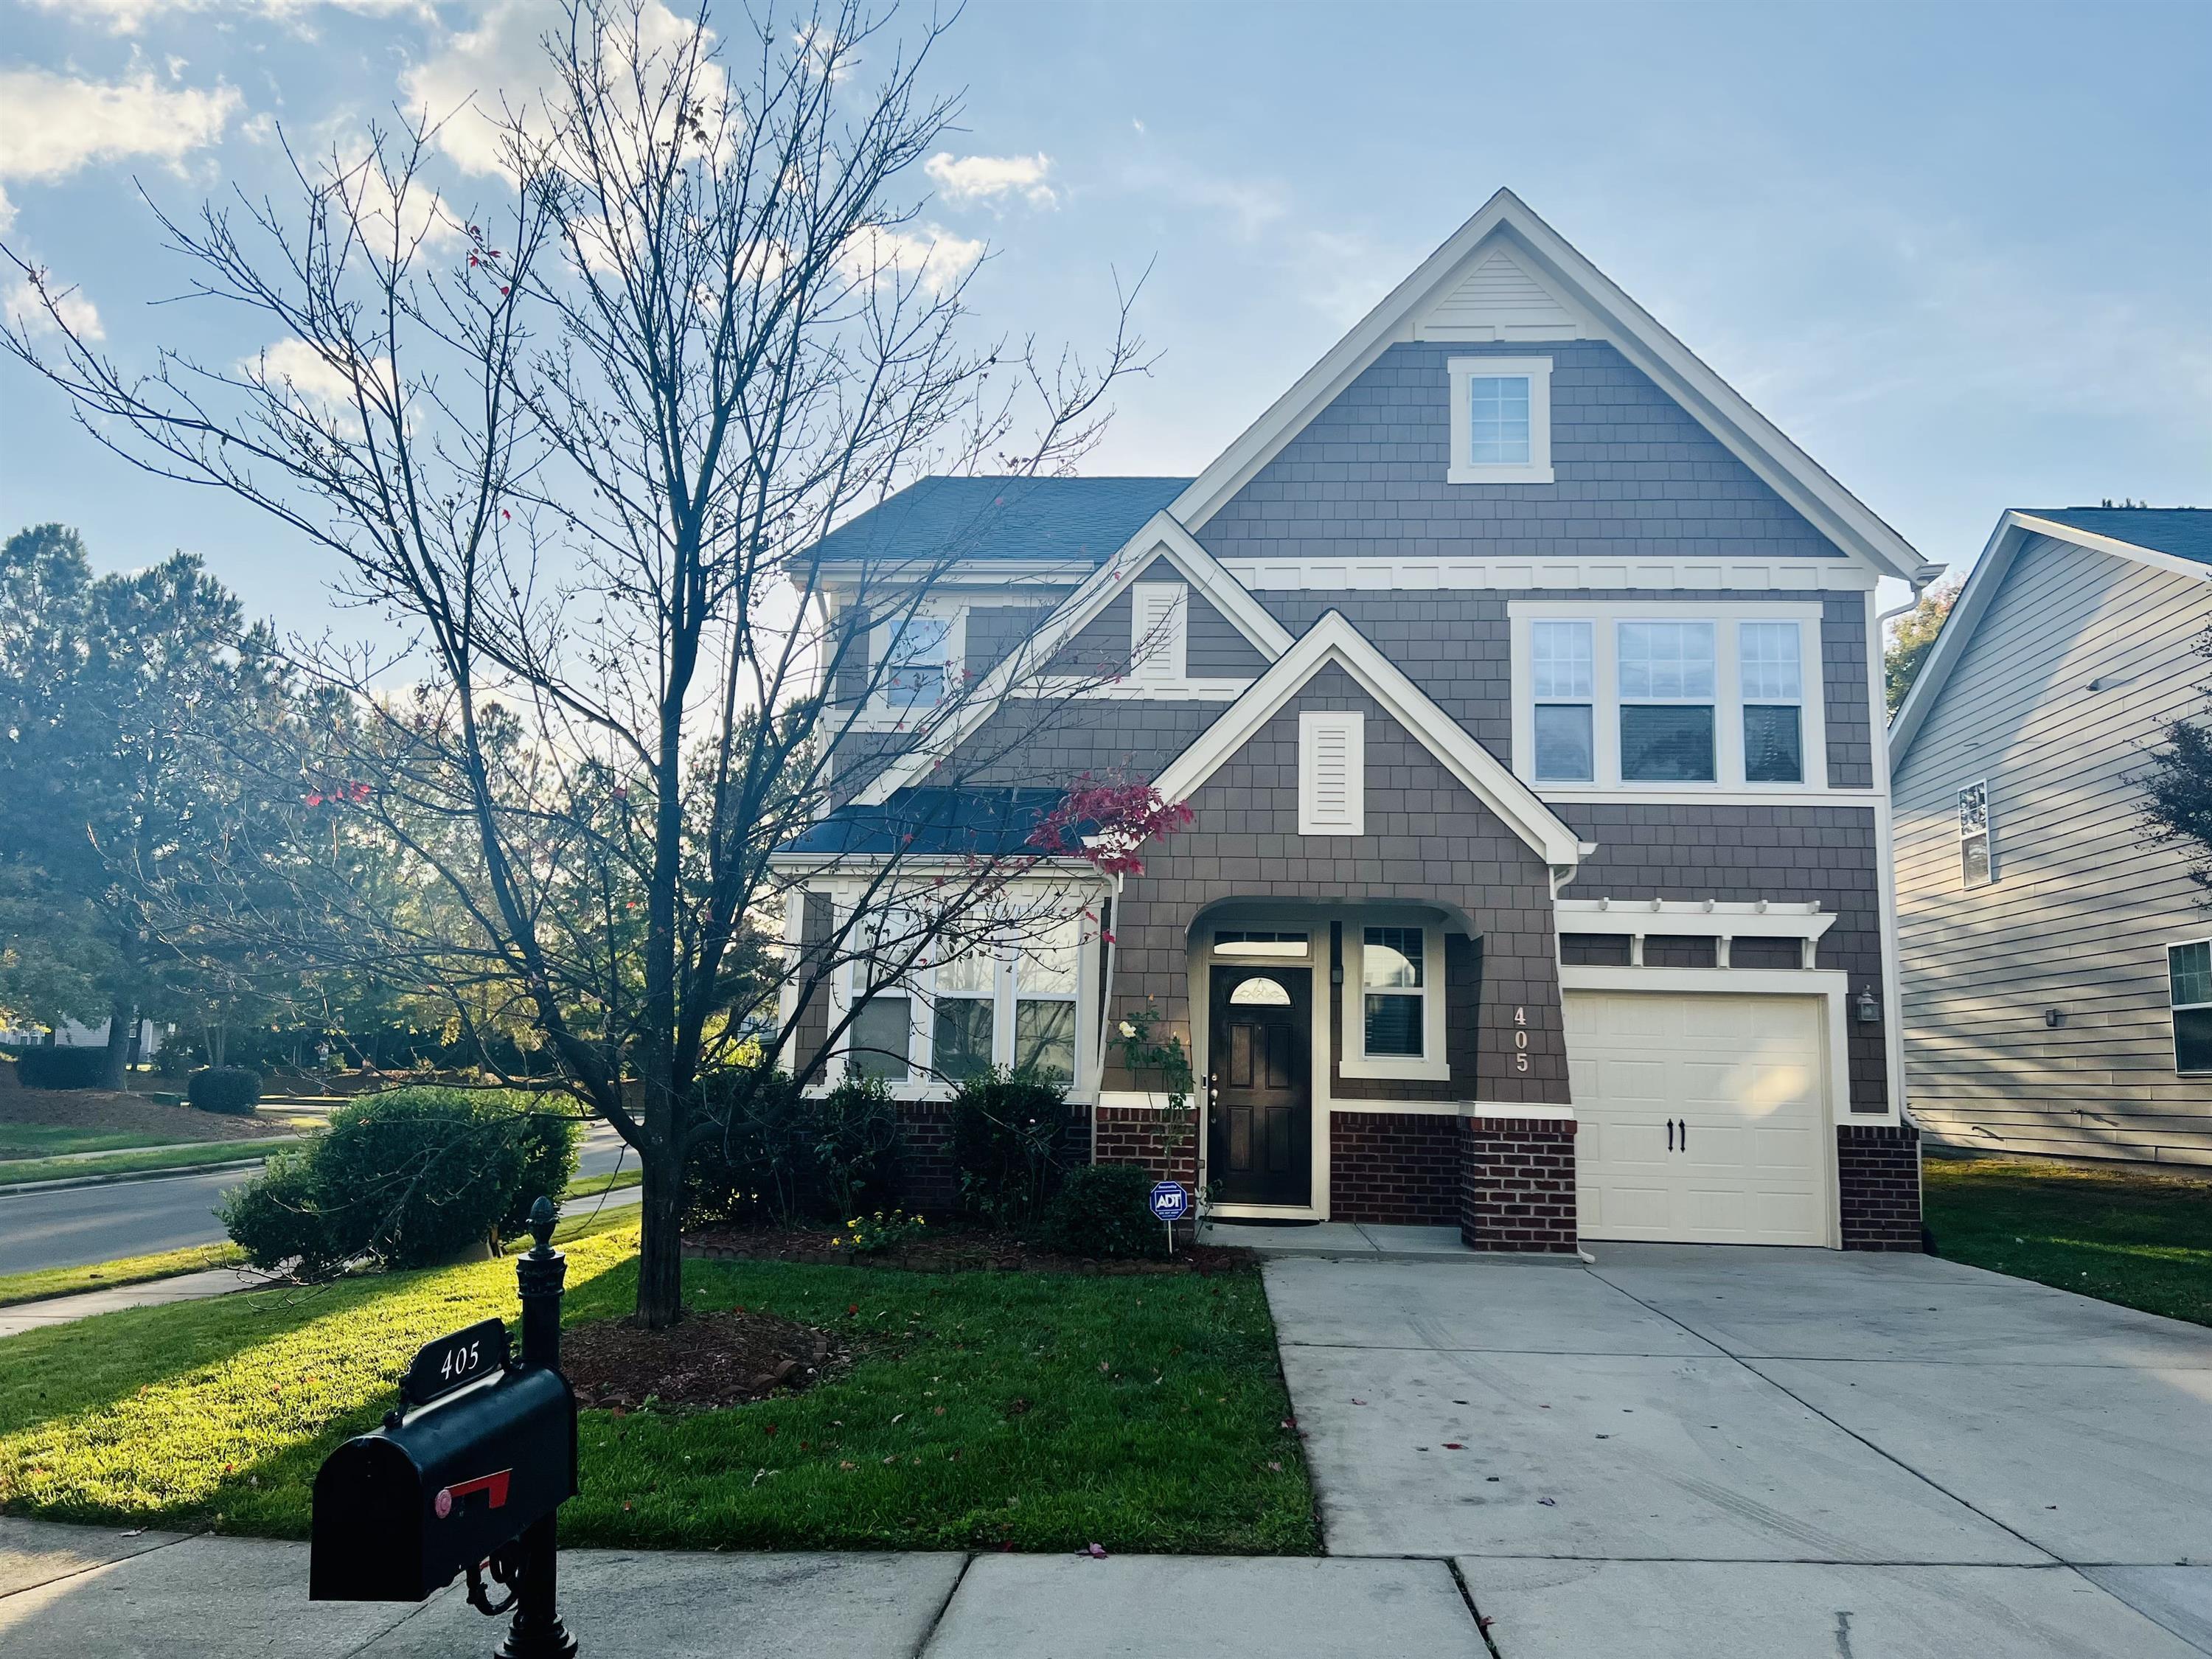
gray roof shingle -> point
(2184, 532)
(1073, 519)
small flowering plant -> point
(866, 1234)
(1162, 1061)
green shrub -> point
(1104, 1210)
(231, 1089)
(781, 1154)
(406, 1179)
(1006, 1137)
(44, 1067)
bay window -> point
(1045, 972)
(963, 1029)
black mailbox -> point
(399, 1513)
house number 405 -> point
(1521, 1039)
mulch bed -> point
(127, 1113)
(950, 1252)
(705, 1361)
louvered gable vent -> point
(1332, 775)
(1159, 630)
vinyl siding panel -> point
(2083, 906)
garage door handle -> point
(1670, 1134)
(1685, 1124)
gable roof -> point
(1334, 642)
(1053, 520)
(2175, 540)
(1161, 538)
(1466, 259)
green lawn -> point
(19, 1140)
(1044, 1412)
(189, 1155)
(107, 1275)
(592, 1186)
(2121, 1234)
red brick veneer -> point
(1393, 1168)
(1139, 1135)
(1878, 1175)
(1517, 1184)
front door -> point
(1260, 1081)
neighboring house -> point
(2058, 965)
(1523, 682)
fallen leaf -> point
(1097, 1552)
(1547, 1503)
(1454, 1446)
(135, 1532)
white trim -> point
(2014, 530)
(1756, 794)
(1135, 1100)
(1537, 468)
(1726, 617)
(1056, 687)
(1720, 921)
(1198, 963)
(1332, 772)
(1333, 640)
(1160, 538)
(1554, 262)
(1792, 575)
(2172, 1027)
(1831, 986)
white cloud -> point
(992, 178)
(129, 16)
(481, 76)
(78, 314)
(935, 255)
(51, 125)
(317, 384)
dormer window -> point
(917, 651)
(1501, 420)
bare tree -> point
(581, 448)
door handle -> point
(1685, 1124)
(1670, 1134)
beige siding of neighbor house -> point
(2058, 700)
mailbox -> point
(399, 1513)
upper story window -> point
(2189, 980)
(1976, 867)
(917, 658)
(1501, 420)
(1641, 695)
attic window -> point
(1501, 420)
(1976, 867)
(1332, 774)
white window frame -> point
(1352, 1058)
(1463, 469)
(2173, 1007)
(1606, 616)
(880, 711)
(1159, 633)
(1746, 702)
(1983, 835)
(1317, 817)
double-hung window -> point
(964, 1023)
(1668, 679)
(1394, 992)
(1046, 969)
(879, 1042)
(1563, 678)
(1771, 680)
(2189, 982)
(917, 657)
(1976, 868)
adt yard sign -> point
(1170, 1203)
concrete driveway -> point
(1720, 1452)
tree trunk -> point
(122, 1026)
(661, 1245)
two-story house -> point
(1523, 683)
(2058, 959)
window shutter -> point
(1332, 775)
(1159, 630)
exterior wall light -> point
(2054, 1018)
(1868, 1008)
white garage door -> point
(1700, 1119)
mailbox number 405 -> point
(462, 1359)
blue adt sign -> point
(1170, 1202)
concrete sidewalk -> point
(81, 1593)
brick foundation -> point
(1393, 1168)
(1878, 1174)
(929, 1181)
(1138, 1135)
(1517, 1184)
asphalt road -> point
(79, 1226)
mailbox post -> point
(540, 1277)
(467, 1477)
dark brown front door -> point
(1260, 1130)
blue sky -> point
(1959, 253)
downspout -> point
(1892, 971)
(1106, 1004)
